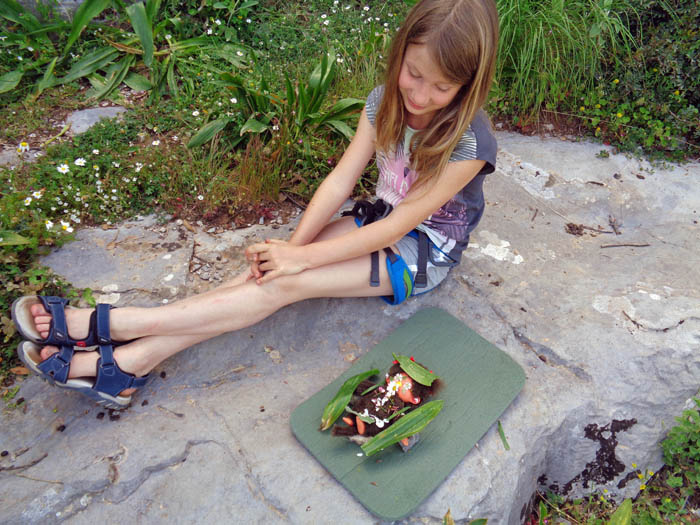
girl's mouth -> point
(413, 105)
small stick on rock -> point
(630, 244)
(614, 224)
(535, 214)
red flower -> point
(412, 358)
(395, 362)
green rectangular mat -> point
(479, 382)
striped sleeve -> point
(477, 143)
(372, 105)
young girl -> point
(433, 147)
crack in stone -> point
(660, 330)
(550, 357)
(254, 485)
(122, 491)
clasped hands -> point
(273, 258)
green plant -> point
(116, 59)
(300, 113)
(548, 50)
(682, 449)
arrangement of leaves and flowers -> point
(382, 414)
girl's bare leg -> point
(166, 330)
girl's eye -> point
(414, 75)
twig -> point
(535, 214)
(631, 244)
(613, 224)
(559, 510)
(596, 229)
(595, 182)
(37, 479)
(20, 467)
(635, 323)
(289, 196)
(65, 128)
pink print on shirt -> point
(395, 177)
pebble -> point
(100, 415)
(211, 230)
(4, 453)
(168, 277)
(144, 402)
(163, 374)
(262, 220)
(61, 428)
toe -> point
(38, 309)
(47, 352)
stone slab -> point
(609, 339)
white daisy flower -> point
(66, 226)
(49, 224)
(210, 31)
(217, 22)
(200, 197)
(234, 100)
(23, 146)
(80, 161)
(27, 201)
(195, 113)
(95, 152)
(63, 168)
(239, 53)
(156, 142)
(36, 194)
(115, 164)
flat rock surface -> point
(583, 269)
(83, 120)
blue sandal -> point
(98, 332)
(105, 388)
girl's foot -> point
(84, 364)
(77, 321)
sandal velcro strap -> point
(58, 365)
(98, 333)
(110, 378)
(58, 331)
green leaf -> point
(623, 514)
(253, 126)
(503, 436)
(10, 238)
(99, 59)
(344, 107)
(47, 80)
(407, 426)
(480, 521)
(137, 82)
(142, 28)
(337, 405)
(114, 77)
(341, 127)
(84, 14)
(10, 80)
(152, 7)
(415, 371)
(13, 11)
(207, 132)
(172, 83)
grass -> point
(619, 70)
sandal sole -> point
(28, 352)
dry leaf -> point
(19, 370)
(187, 225)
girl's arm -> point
(338, 185)
(277, 258)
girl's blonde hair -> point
(462, 37)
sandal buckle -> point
(109, 369)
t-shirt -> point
(448, 227)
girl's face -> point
(424, 89)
